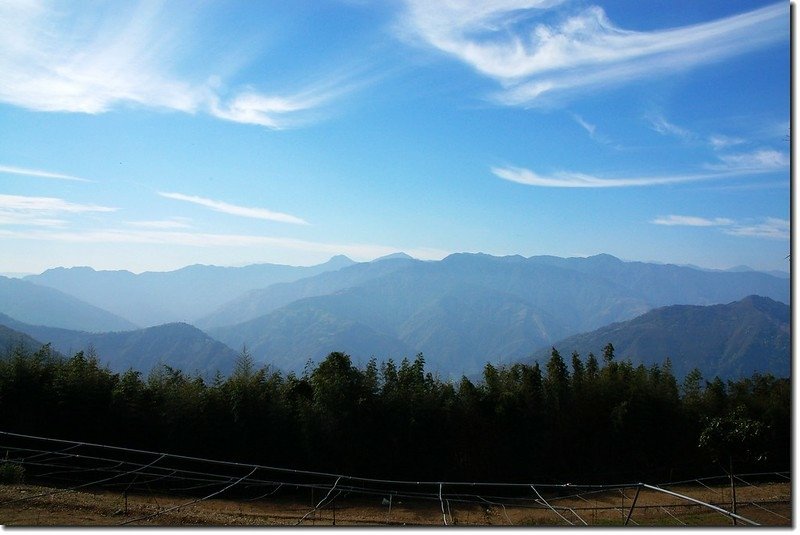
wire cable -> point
(80, 486)
(551, 507)
(505, 513)
(187, 504)
(714, 507)
(577, 515)
(135, 468)
(681, 522)
(444, 517)
(320, 502)
(769, 511)
(266, 494)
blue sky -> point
(152, 135)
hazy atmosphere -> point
(153, 135)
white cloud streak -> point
(41, 211)
(162, 224)
(38, 173)
(691, 221)
(254, 108)
(531, 59)
(232, 209)
(660, 124)
(769, 228)
(762, 160)
(48, 205)
(8, 217)
(589, 127)
(580, 180)
(719, 141)
(758, 162)
(70, 57)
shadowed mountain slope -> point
(731, 340)
(178, 345)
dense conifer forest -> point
(592, 419)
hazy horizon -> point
(729, 268)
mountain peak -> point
(605, 257)
(763, 304)
(394, 256)
(75, 269)
(339, 260)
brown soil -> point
(28, 505)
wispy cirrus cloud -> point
(162, 224)
(42, 211)
(586, 125)
(758, 159)
(730, 165)
(38, 173)
(48, 205)
(264, 110)
(761, 160)
(567, 179)
(232, 209)
(719, 141)
(591, 129)
(510, 42)
(661, 125)
(8, 217)
(691, 221)
(280, 111)
(76, 58)
(769, 227)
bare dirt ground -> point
(28, 505)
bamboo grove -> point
(579, 419)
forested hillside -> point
(732, 340)
(177, 344)
(10, 338)
(580, 419)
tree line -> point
(580, 420)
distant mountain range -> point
(39, 305)
(259, 302)
(184, 295)
(176, 344)
(729, 341)
(467, 309)
(460, 312)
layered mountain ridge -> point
(460, 312)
